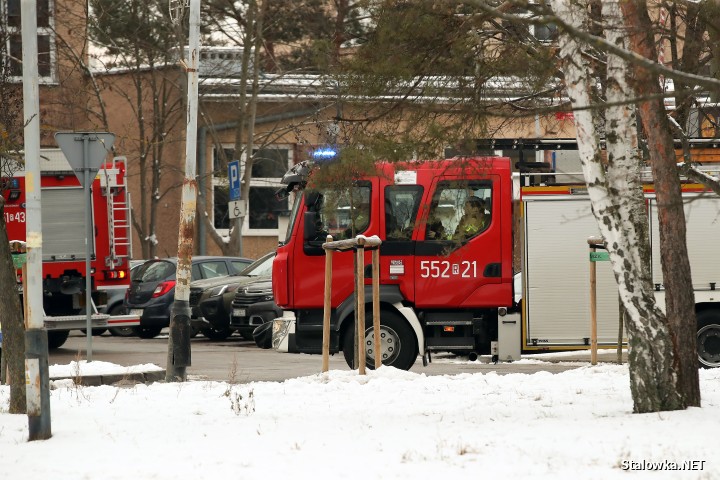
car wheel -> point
(147, 332)
(120, 331)
(56, 338)
(399, 347)
(708, 338)
(216, 334)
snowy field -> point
(390, 424)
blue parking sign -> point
(234, 179)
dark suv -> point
(210, 300)
(152, 288)
(253, 306)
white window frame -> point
(48, 31)
(270, 182)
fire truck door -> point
(457, 254)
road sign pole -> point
(235, 203)
(85, 152)
(36, 343)
(88, 241)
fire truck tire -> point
(95, 331)
(216, 334)
(399, 344)
(708, 338)
(147, 332)
(57, 338)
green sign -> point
(19, 259)
(599, 256)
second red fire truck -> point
(63, 249)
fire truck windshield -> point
(293, 216)
(340, 212)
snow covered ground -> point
(389, 424)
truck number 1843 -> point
(14, 217)
(445, 269)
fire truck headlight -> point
(502, 311)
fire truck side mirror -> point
(311, 198)
(310, 226)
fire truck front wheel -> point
(399, 346)
(708, 338)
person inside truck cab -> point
(359, 221)
(474, 219)
(435, 230)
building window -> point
(11, 16)
(520, 31)
(263, 209)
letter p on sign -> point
(234, 179)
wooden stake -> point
(326, 308)
(376, 306)
(593, 312)
(360, 289)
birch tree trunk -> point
(677, 280)
(618, 206)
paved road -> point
(241, 361)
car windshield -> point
(260, 267)
(153, 271)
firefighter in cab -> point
(474, 219)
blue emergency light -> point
(324, 154)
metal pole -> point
(36, 343)
(179, 343)
(88, 243)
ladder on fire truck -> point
(119, 216)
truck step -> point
(448, 322)
(445, 318)
(449, 343)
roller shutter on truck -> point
(702, 217)
(556, 295)
(63, 223)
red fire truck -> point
(63, 203)
(438, 290)
(443, 291)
